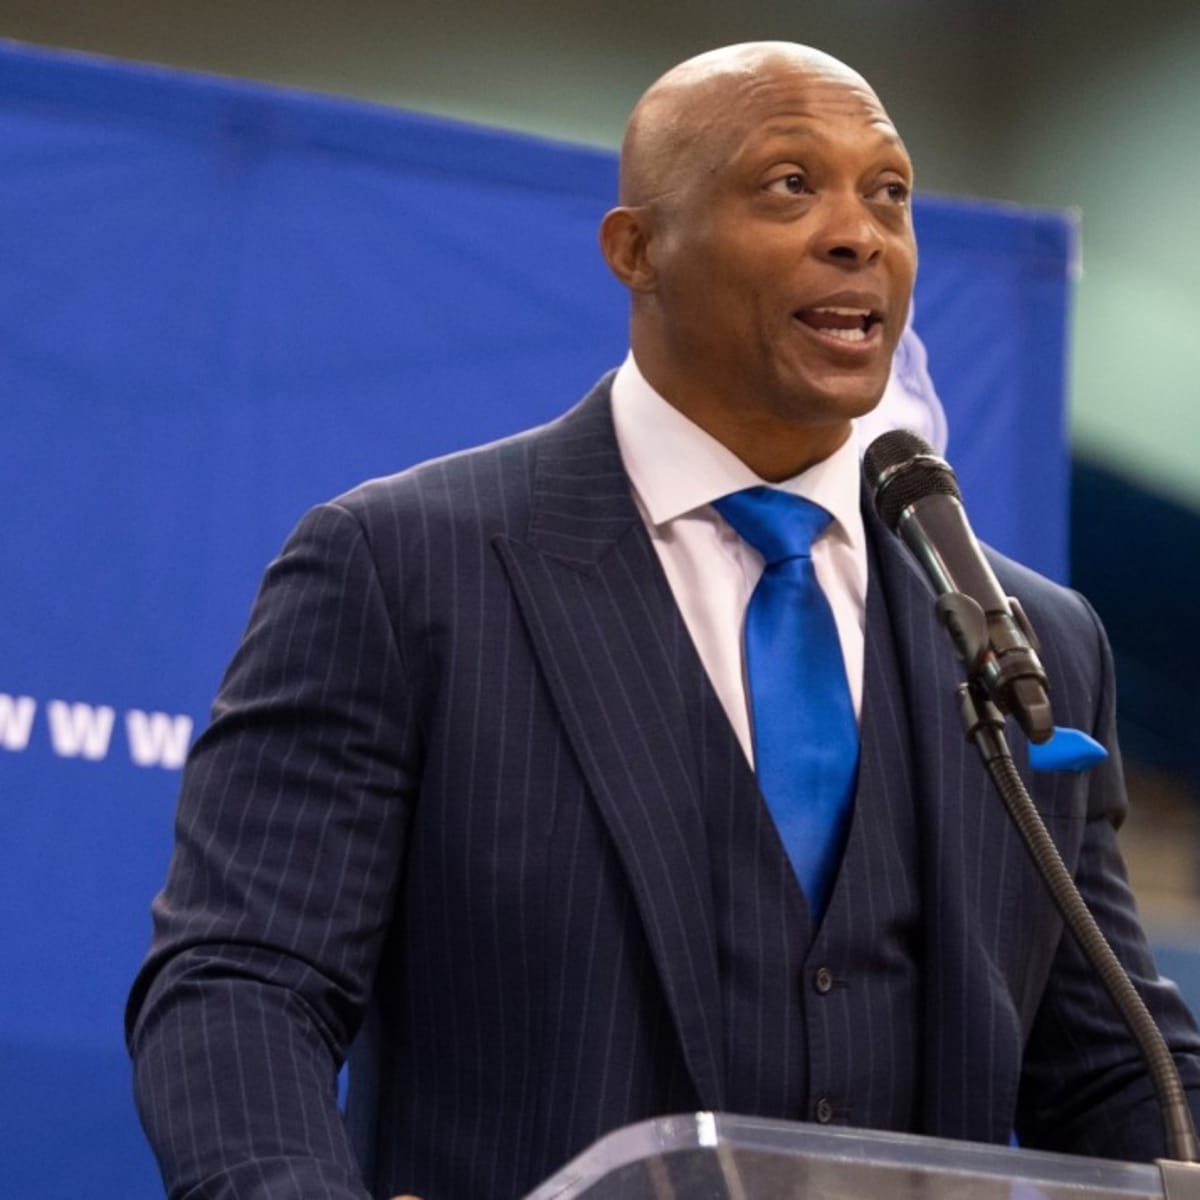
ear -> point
(625, 241)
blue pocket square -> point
(1067, 750)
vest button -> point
(823, 981)
(824, 1110)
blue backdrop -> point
(220, 304)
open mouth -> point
(848, 325)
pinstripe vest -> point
(819, 1028)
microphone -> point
(917, 497)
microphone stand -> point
(983, 723)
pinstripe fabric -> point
(864, 1034)
(454, 783)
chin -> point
(825, 407)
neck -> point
(776, 442)
(772, 447)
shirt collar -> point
(676, 467)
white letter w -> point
(79, 730)
(158, 739)
(16, 720)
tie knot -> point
(777, 524)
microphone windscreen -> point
(901, 469)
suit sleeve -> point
(289, 839)
(1084, 1088)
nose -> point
(849, 235)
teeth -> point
(846, 335)
(846, 312)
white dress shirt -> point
(677, 470)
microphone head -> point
(901, 469)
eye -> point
(895, 192)
(794, 183)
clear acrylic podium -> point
(707, 1156)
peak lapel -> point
(606, 632)
(970, 859)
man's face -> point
(783, 258)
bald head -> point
(684, 120)
(765, 237)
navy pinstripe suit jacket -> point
(449, 783)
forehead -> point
(833, 108)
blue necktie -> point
(805, 732)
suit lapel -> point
(971, 868)
(606, 631)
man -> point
(480, 774)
